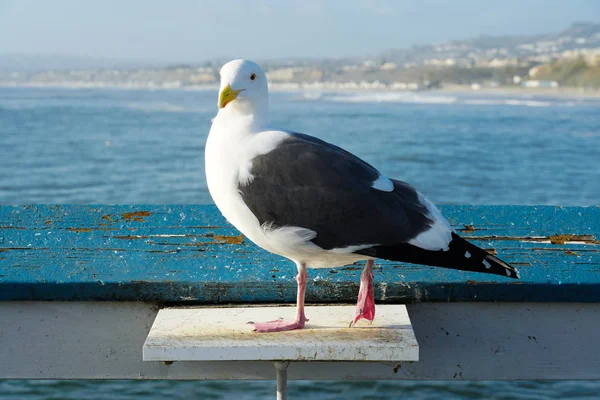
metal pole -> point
(281, 367)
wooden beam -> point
(191, 254)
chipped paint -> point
(468, 228)
(136, 216)
(229, 239)
(383, 288)
(568, 238)
(553, 239)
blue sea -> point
(143, 146)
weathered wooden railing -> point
(81, 285)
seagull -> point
(315, 203)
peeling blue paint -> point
(189, 253)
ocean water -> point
(142, 146)
(139, 146)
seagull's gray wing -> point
(312, 184)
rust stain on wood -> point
(492, 251)
(562, 239)
(468, 228)
(554, 239)
(136, 216)
(48, 221)
(79, 229)
(229, 239)
(195, 244)
(108, 218)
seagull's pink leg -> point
(365, 307)
(283, 325)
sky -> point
(199, 30)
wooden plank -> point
(189, 253)
(103, 340)
(223, 334)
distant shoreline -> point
(511, 90)
(561, 92)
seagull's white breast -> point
(228, 158)
(228, 162)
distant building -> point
(281, 74)
(399, 86)
(369, 64)
(388, 66)
(534, 71)
(539, 84)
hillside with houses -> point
(570, 58)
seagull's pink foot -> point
(365, 307)
(279, 325)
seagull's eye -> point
(252, 77)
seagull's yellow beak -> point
(227, 96)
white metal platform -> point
(223, 334)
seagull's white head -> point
(244, 89)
